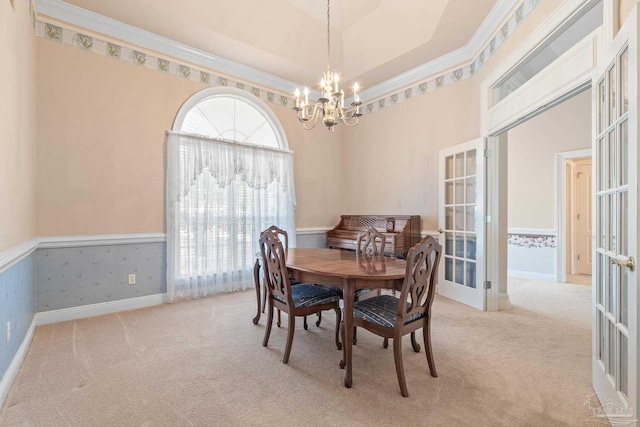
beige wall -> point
(532, 160)
(17, 125)
(101, 164)
(390, 159)
(101, 145)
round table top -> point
(341, 263)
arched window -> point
(229, 176)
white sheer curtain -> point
(220, 196)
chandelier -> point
(330, 106)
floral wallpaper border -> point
(112, 49)
(141, 58)
(459, 74)
(532, 240)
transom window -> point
(230, 118)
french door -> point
(615, 293)
(462, 180)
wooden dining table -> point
(349, 272)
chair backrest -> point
(419, 285)
(366, 242)
(282, 235)
(274, 258)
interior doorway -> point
(545, 154)
(579, 233)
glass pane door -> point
(461, 207)
(615, 189)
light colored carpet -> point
(201, 363)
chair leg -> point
(319, 319)
(264, 293)
(279, 320)
(397, 356)
(426, 334)
(343, 362)
(292, 326)
(355, 337)
(267, 331)
(414, 343)
(258, 285)
(338, 320)
(385, 343)
(304, 323)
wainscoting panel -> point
(532, 255)
(76, 276)
(315, 239)
(17, 305)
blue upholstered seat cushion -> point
(305, 295)
(381, 310)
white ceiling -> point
(371, 40)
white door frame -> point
(561, 197)
(540, 95)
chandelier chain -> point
(328, 35)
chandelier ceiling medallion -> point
(330, 106)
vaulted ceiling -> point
(371, 40)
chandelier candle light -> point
(330, 105)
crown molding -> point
(456, 58)
(82, 18)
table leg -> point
(256, 280)
(348, 293)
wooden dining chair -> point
(369, 243)
(391, 317)
(284, 237)
(299, 300)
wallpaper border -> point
(58, 32)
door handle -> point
(440, 230)
(630, 262)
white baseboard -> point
(10, 375)
(504, 303)
(90, 310)
(532, 275)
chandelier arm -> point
(313, 116)
(352, 124)
(353, 113)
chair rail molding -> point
(54, 242)
(312, 230)
(14, 255)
